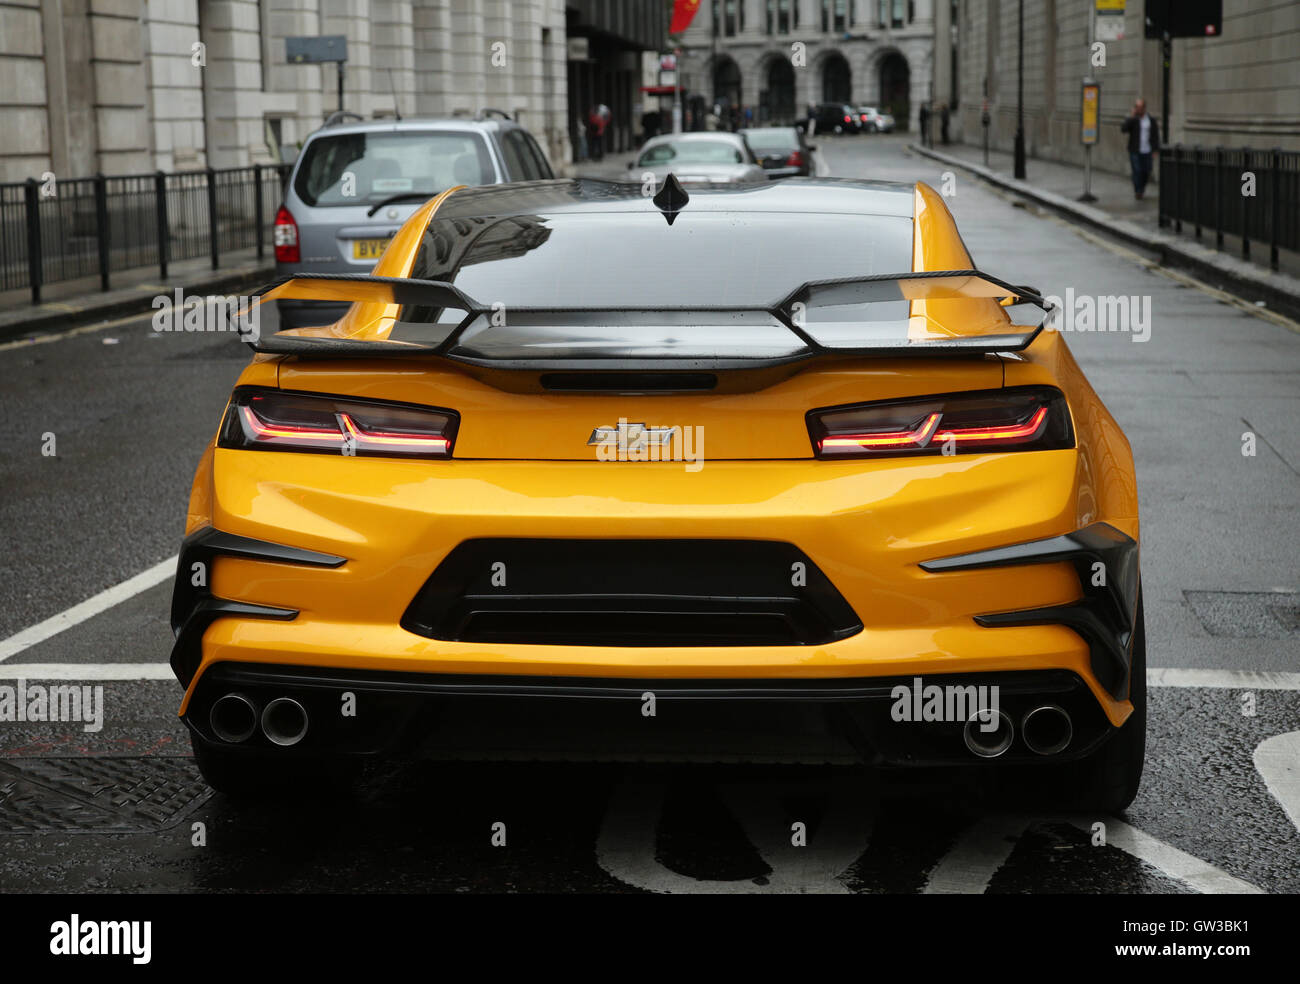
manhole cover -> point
(48, 795)
(1247, 614)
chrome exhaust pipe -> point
(284, 722)
(988, 744)
(233, 718)
(1047, 730)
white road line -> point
(1224, 679)
(89, 608)
(86, 671)
(976, 857)
(1192, 871)
(1278, 762)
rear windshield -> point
(622, 259)
(777, 138)
(694, 152)
(365, 168)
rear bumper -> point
(367, 534)
(581, 717)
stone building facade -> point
(778, 56)
(1240, 88)
(123, 86)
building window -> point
(835, 15)
(733, 17)
(779, 18)
(900, 12)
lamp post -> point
(1020, 96)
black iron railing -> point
(82, 227)
(1253, 195)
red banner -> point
(683, 14)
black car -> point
(782, 150)
(833, 118)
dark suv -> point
(354, 184)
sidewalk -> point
(71, 303)
(1116, 213)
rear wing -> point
(946, 312)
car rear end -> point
(781, 150)
(548, 508)
(353, 187)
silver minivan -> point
(354, 184)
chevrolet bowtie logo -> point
(632, 437)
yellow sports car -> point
(582, 456)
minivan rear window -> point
(365, 168)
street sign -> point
(327, 48)
(579, 49)
(1090, 115)
(1109, 22)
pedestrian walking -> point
(943, 122)
(924, 119)
(596, 133)
(1143, 143)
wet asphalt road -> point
(116, 810)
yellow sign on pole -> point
(1091, 114)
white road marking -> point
(976, 857)
(89, 608)
(1192, 871)
(1224, 679)
(86, 671)
(1278, 762)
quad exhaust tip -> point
(284, 722)
(233, 718)
(988, 744)
(1047, 730)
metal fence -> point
(1234, 191)
(82, 227)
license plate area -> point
(368, 249)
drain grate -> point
(103, 795)
(1247, 614)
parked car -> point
(699, 158)
(874, 121)
(485, 533)
(834, 118)
(354, 184)
(783, 151)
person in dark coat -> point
(1143, 144)
(943, 122)
(924, 120)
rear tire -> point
(1108, 779)
(265, 775)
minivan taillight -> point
(286, 238)
(1022, 418)
(284, 420)
(795, 159)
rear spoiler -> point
(960, 314)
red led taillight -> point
(1015, 419)
(795, 159)
(286, 238)
(848, 119)
(276, 420)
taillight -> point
(1023, 418)
(848, 119)
(286, 238)
(795, 159)
(278, 420)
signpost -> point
(1089, 131)
(314, 51)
